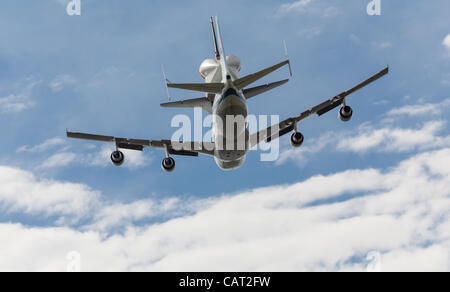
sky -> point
(371, 194)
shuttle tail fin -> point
(223, 59)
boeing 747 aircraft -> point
(226, 95)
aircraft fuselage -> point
(230, 128)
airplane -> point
(226, 94)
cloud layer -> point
(324, 223)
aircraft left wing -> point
(202, 102)
(289, 124)
(172, 147)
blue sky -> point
(100, 73)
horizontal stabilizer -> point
(251, 92)
(202, 102)
(202, 87)
(249, 79)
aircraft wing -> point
(288, 125)
(173, 147)
(251, 92)
(249, 79)
(202, 102)
(202, 87)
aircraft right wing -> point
(289, 124)
(172, 147)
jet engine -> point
(345, 113)
(297, 139)
(117, 158)
(168, 164)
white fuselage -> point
(229, 112)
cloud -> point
(59, 160)
(45, 146)
(313, 7)
(303, 154)
(392, 139)
(382, 137)
(61, 81)
(63, 155)
(446, 42)
(18, 102)
(21, 191)
(429, 109)
(323, 223)
(368, 138)
(133, 159)
(114, 215)
(298, 6)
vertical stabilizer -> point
(216, 48)
(223, 59)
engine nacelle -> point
(345, 113)
(297, 139)
(117, 158)
(168, 164)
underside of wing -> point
(173, 147)
(254, 91)
(202, 87)
(202, 102)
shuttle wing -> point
(249, 79)
(251, 92)
(202, 102)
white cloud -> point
(392, 139)
(313, 146)
(61, 81)
(298, 6)
(62, 155)
(324, 223)
(45, 146)
(59, 160)
(21, 191)
(429, 109)
(446, 42)
(384, 137)
(133, 159)
(313, 7)
(18, 102)
(124, 214)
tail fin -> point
(216, 49)
(223, 59)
